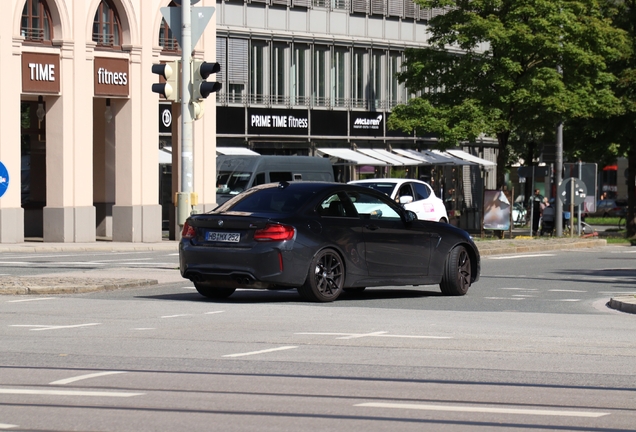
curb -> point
(623, 304)
(59, 285)
(524, 246)
(90, 247)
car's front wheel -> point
(457, 272)
(207, 290)
(325, 278)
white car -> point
(414, 195)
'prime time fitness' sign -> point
(40, 73)
(263, 121)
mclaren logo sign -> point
(368, 123)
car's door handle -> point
(372, 227)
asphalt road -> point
(531, 347)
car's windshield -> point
(384, 187)
(232, 182)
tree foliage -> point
(509, 67)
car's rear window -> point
(270, 200)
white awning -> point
(352, 156)
(235, 151)
(388, 157)
(447, 158)
(467, 156)
(415, 155)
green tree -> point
(504, 68)
(604, 139)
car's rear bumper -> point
(258, 267)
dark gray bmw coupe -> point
(321, 238)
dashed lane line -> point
(50, 327)
(558, 413)
(67, 393)
(519, 256)
(375, 334)
(83, 377)
(31, 300)
(261, 351)
(565, 290)
(175, 316)
(7, 426)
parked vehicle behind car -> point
(609, 207)
(236, 173)
(322, 239)
(414, 195)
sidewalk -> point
(102, 280)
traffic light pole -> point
(184, 198)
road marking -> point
(520, 289)
(523, 295)
(215, 312)
(173, 254)
(376, 334)
(485, 410)
(129, 259)
(564, 290)
(50, 327)
(260, 352)
(188, 288)
(616, 293)
(67, 393)
(83, 377)
(504, 298)
(145, 328)
(520, 256)
(175, 316)
(30, 300)
(7, 426)
(569, 300)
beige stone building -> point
(80, 125)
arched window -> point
(107, 26)
(166, 38)
(36, 25)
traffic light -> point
(201, 89)
(170, 72)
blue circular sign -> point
(4, 179)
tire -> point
(207, 290)
(325, 278)
(457, 273)
(354, 290)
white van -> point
(236, 173)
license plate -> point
(223, 237)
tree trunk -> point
(502, 159)
(631, 191)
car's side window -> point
(333, 206)
(371, 207)
(405, 190)
(421, 191)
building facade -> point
(79, 121)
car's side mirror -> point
(410, 216)
(406, 199)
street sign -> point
(4, 179)
(199, 16)
(564, 191)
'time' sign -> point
(40, 73)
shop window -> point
(107, 26)
(321, 69)
(258, 72)
(299, 74)
(166, 38)
(339, 74)
(36, 25)
(359, 74)
(279, 73)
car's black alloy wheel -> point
(325, 278)
(457, 273)
(208, 290)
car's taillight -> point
(188, 231)
(274, 233)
